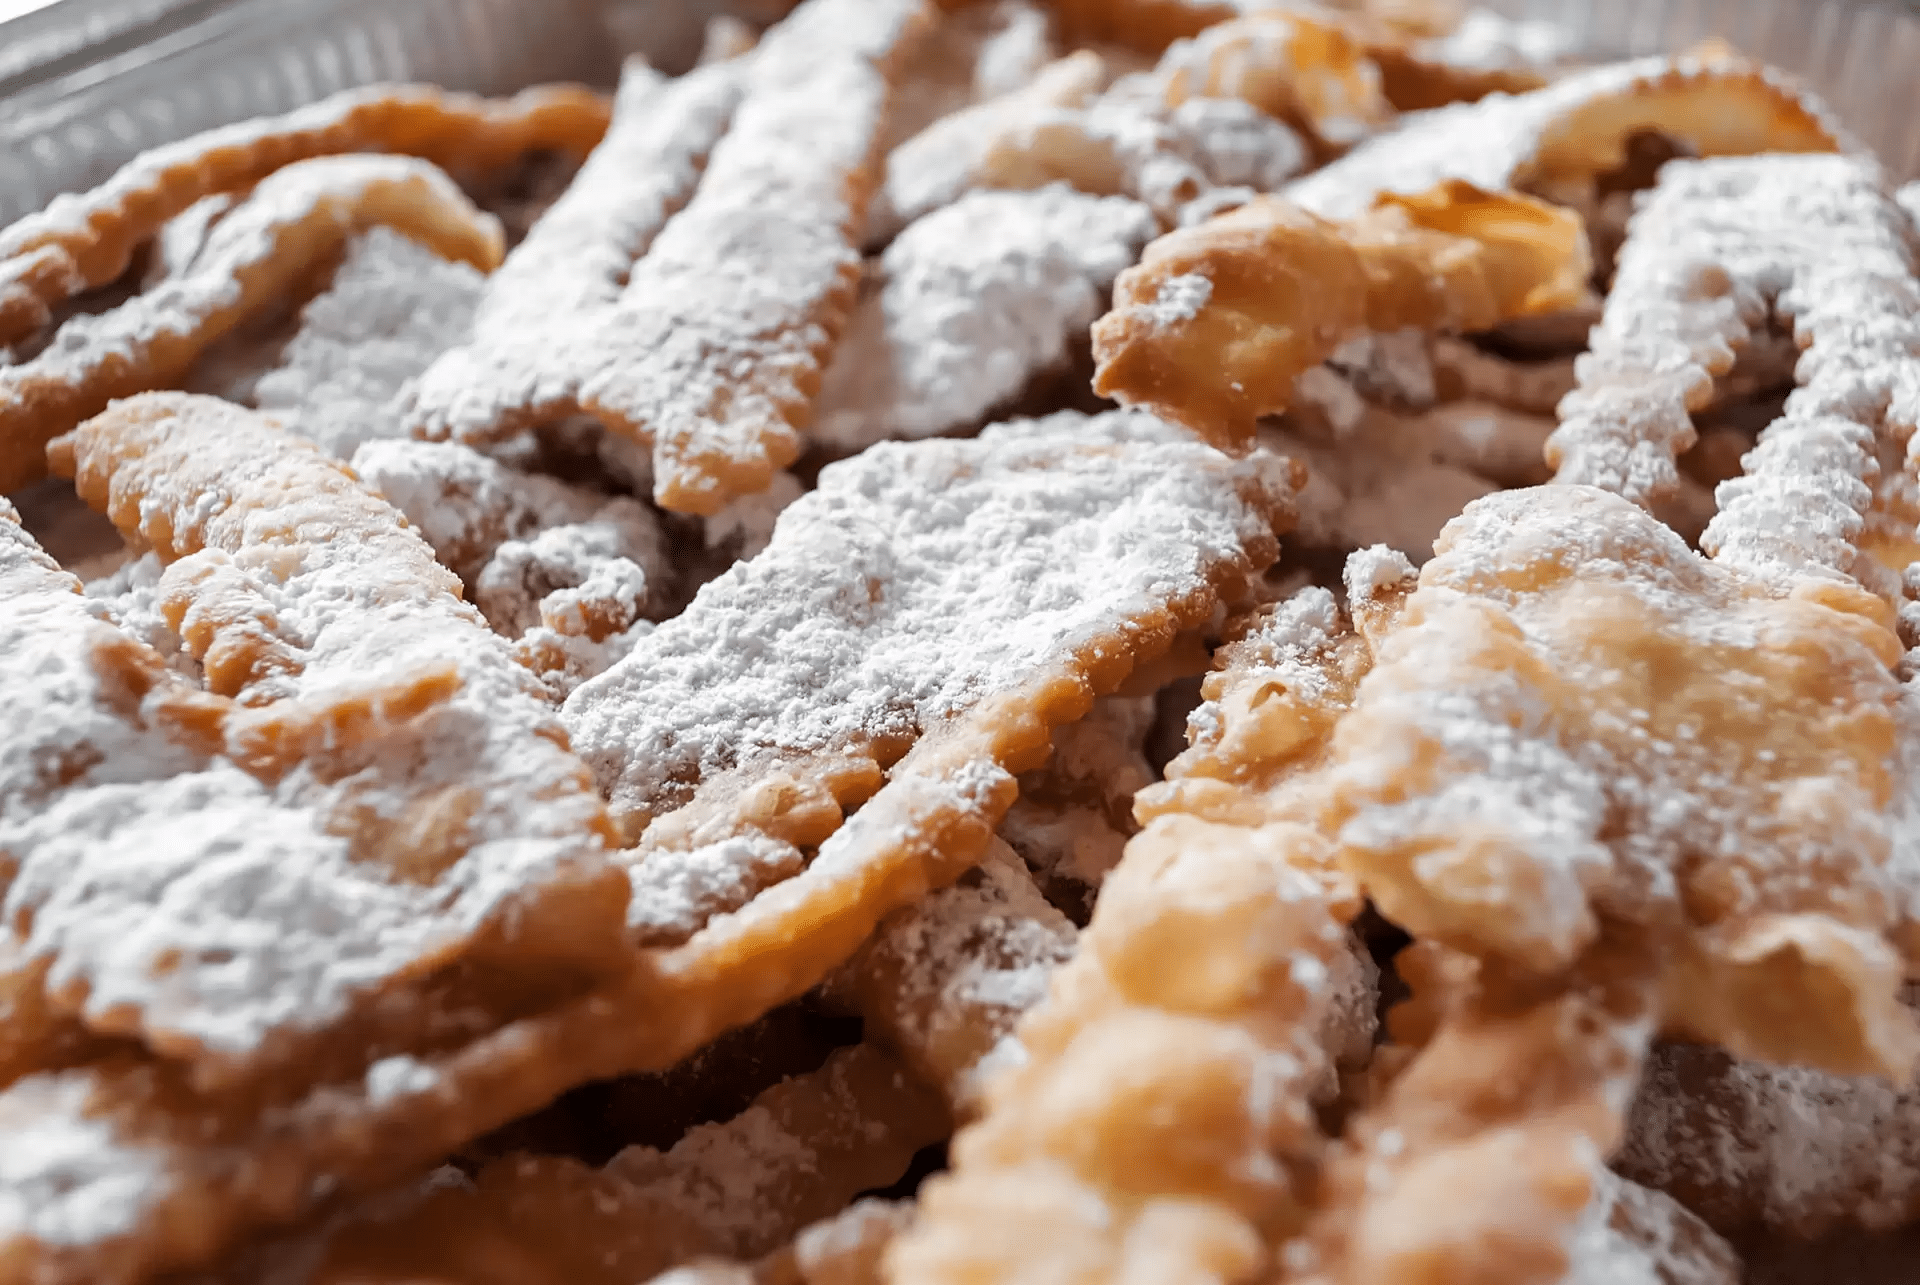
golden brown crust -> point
(88, 241)
(1216, 322)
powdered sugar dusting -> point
(218, 909)
(745, 526)
(1492, 142)
(1178, 300)
(289, 221)
(1846, 286)
(948, 978)
(1488, 41)
(936, 166)
(973, 302)
(915, 580)
(1717, 251)
(1293, 65)
(132, 595)
(593, 577)
(58, 660)
(729, 318)
(1909, 199)
(1507, 692)
(66, 1179)
(394, 306)
(571, 269)
(1119, 145)
(1236, 145)
(1633, 1235)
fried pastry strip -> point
(1555, 141)
(1202, 131)
(975, 52)
(84, 692)
(517, 539)
(972, 303)
(1075, 815)
(313, 637)
(899, 597)
(711, 349)
(943, 981)
(573, 266)
(1306, 68)
(1161, 1125)
(894, 631)
(1406, 59)
(1720, 250)
(390, 857)
(1185, 163)
(1485, 54)
(1462, 371)
(465, 504)
(1480, 1161)
(291, 221)
(1161, 529)
(1217, 321)
(741, 1189)
(87, 240)
(392, 307)
(938, 165)
(1580, 720)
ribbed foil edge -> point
(230, 61)
(1862, 57)
(47, 37)
(85, 85)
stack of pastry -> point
(1118, 640)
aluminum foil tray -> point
(87, 84)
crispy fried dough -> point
(1479, 1163)
(740, 1189)
(1170, 527)
(970, 304)
(390, 309)
(709, 348)
(1163, 1114)
(1305, 68)
(1576, 710)
(1722, 249)
(84, 241)
(943, 982)
(1557, 140)
(575, 263)
(294, 219)
(379, 856)
(938, 165)
(1217, 321)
